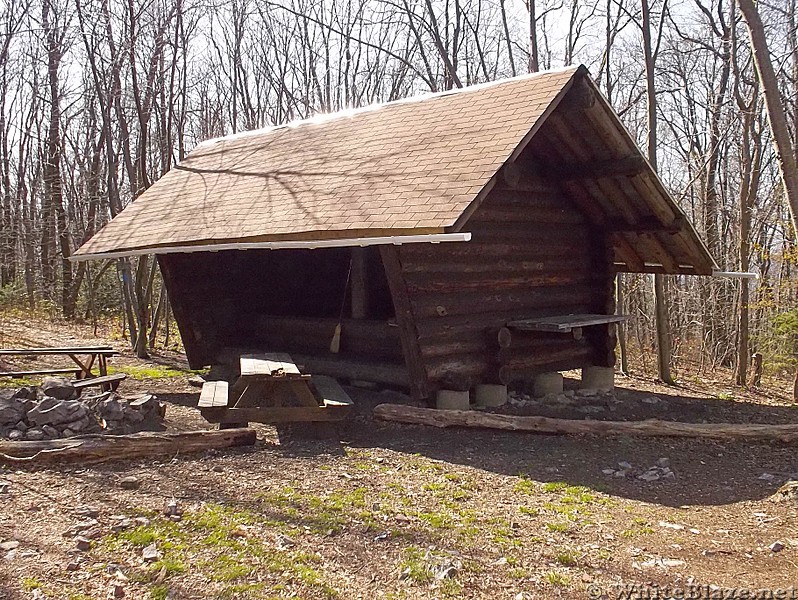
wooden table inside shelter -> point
(272, 389)
(84, 358)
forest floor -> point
(396, 511)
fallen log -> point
(89, 449)
(649, 428)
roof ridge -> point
(321, 118)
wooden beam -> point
(275, 414)
(359, 284)
(405, 319)
(648, 225)
(623, 167)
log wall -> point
(532, 254)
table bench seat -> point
(62, 371)
(214, 395)
(106, 382)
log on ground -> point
(649, 428)
(101, 448)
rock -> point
(283, 542)
(117, 591)
(445, 572)
(35, 434)
(59, 388)
(172, 508)
(148, 405)
(121, 525)
(9, 545)
(51, 432)
(80, 425)
(83, 544)
(663, 462)
(650, 400)
(766, 477)
(11, 411)
(150, 553)
(67, 432)
(4, 487)
(196, 381)
(129, 483)
(776, 547)
(625, 465)
(15, 435)
(81, 527)
(111, 409)
(21, 426)
(787, 493)
(90, 512)
(649, 476)
(72, 566)
(133, 416)
(608, 471)
(25, 393)
(51, 411)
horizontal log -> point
(435, 330)
(478, 264)
(495, 248)
(309, 335)
(649, 428)
(574, 236)
(468, 344)
(90, 449)
(508, 375)
(495, 309)
(455, 283)
(461, 365)
(342, 368)
(532, 357)
(534, 216)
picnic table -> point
(272, 389)
(84, 357)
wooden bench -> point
(272, 389)
(330, 392)
(20, 374)
(213, 395)
(106, 382)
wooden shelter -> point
(268, 239)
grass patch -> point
(141, 373)
(525, 485)
(557, 579)
(566, 558)
(555, 486)
(557, 527)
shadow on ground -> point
(707, 472)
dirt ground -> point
(384, 510)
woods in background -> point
(99, 98)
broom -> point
(335, 343)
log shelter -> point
(470, 236)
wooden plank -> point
(278, 414)
(565, 323)
(419, 384)
(96, 350)
(275, 364)
(21, 374)
(213, 395)
(330, 391)
(105, 379)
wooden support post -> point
(359, 284)
(411, 350)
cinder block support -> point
(547, 383)
(490, 395)
(601, 379)
(452, 400)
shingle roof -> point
(403, 167)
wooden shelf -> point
(565, 323)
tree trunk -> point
(90, 449)
(649, 428)
(782, 142)
(660, 295)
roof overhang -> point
(395, 240)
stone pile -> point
(53, 410)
